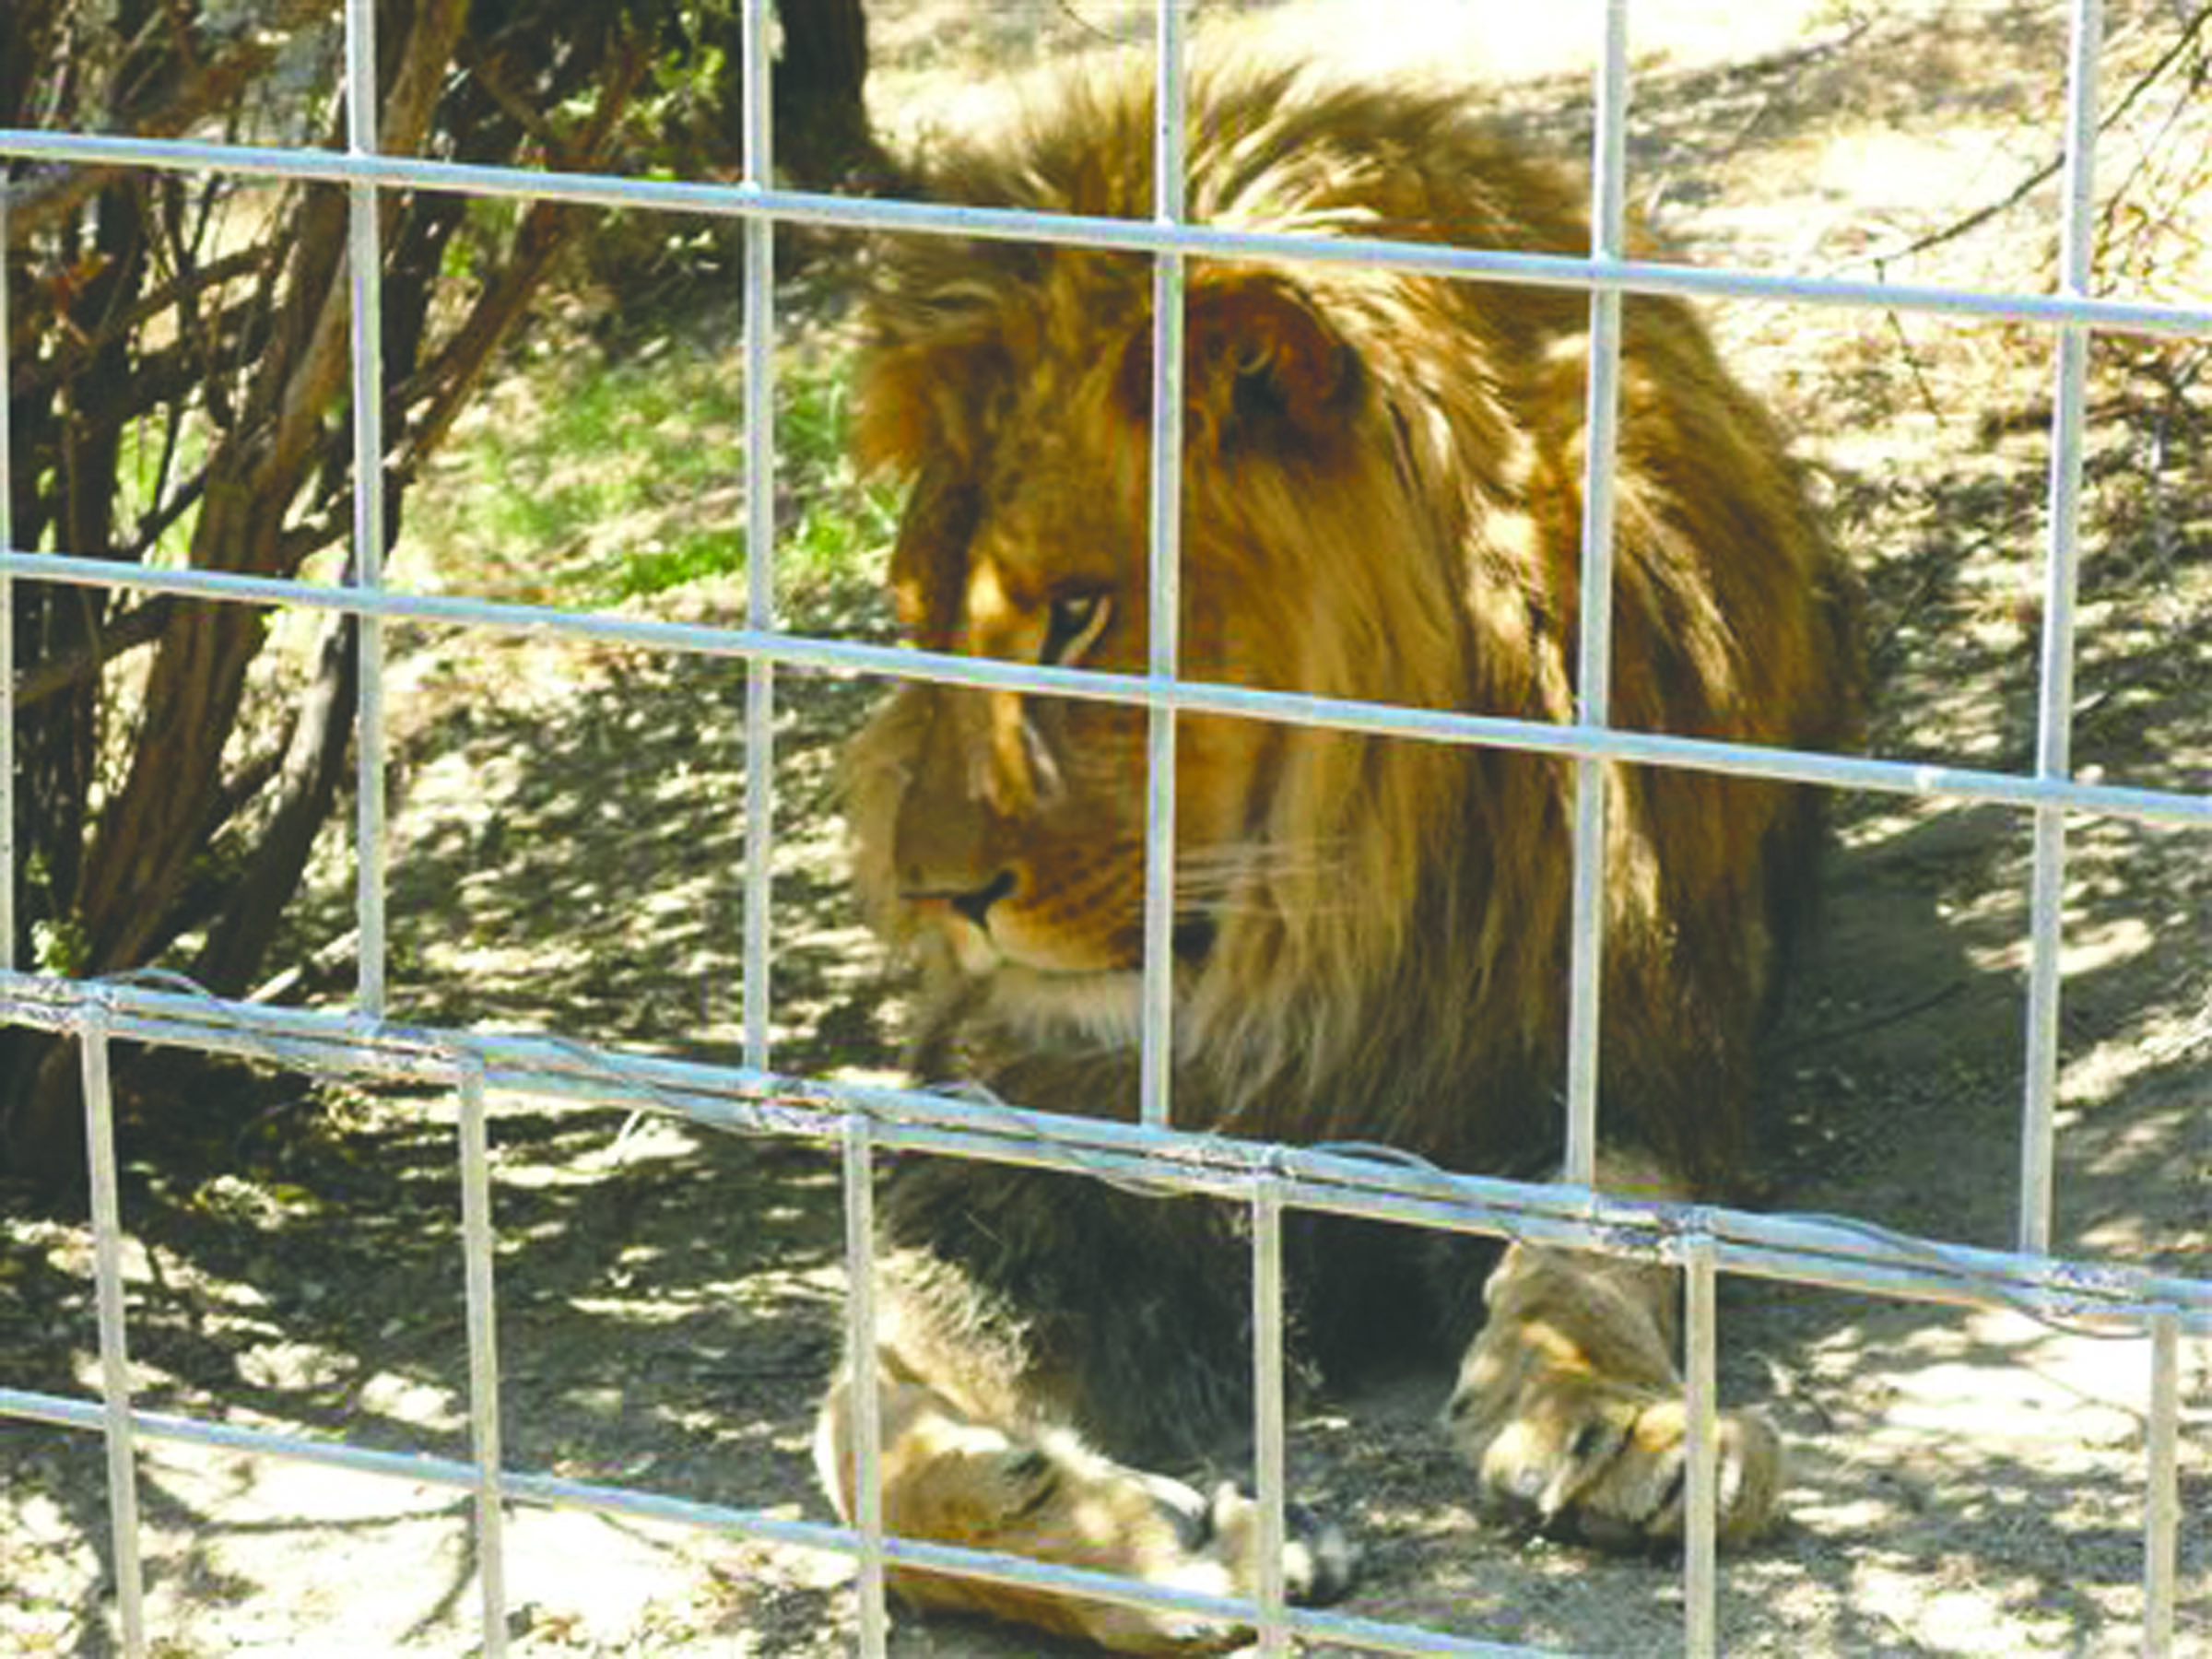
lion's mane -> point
(1382, 500)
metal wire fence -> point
(757, 1098)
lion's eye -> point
(1073, 626)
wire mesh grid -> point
(156, 1009)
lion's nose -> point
(971, 902)
(976, 905)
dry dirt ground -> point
(567, 845)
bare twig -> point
(51, 194)
(1068, 11)
(2190, 30)
(1913, 363)
(1876, 1021)
(490, 75)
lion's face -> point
(1012, 829)
(1007, 834)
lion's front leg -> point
(952, 1478)
(1570, 1408)
(1043, 1345)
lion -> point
(1381, 500)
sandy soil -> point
(568, 835)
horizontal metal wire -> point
(1383, 1185)
(557, 1491)
(1541, 270)
(1796, 1249)
(1196, 697)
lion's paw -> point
(1609, 1466)
(1570, 1410)
(1219, 1540)
(1319, 1559)
(950, 1478)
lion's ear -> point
(1259, 362)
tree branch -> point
(140, 625)
(448, 382)
(320, 366)
(43, 375)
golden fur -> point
(1382, 500)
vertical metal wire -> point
(1587, 943)
(2162, 1496)
(114, 1347)
(1165, 578)
(483, 1358)
(1701, 1489)
(867, 1416)
(1270, 1473)
(366, 278)
(2055, 706)
(759, 536)
(7, 616)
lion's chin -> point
(1061, 1005)
(1102, 1009)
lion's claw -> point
(1619, 1480)
(1570, 1411)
